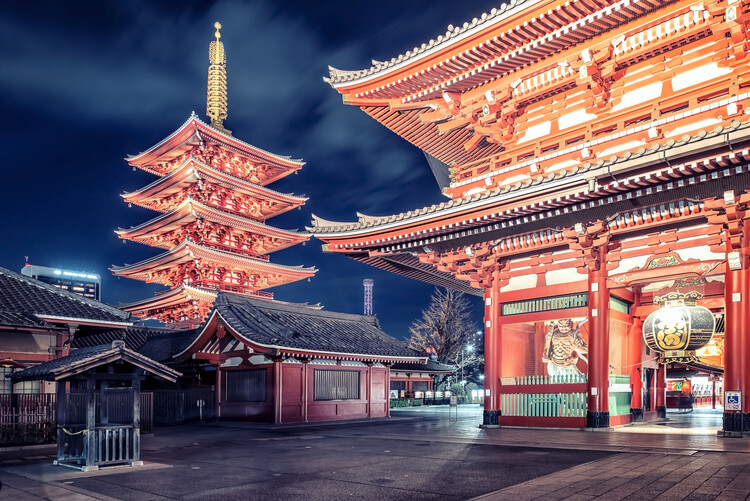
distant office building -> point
(78, 282)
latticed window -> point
(398, 385)
(336, 385)
(420, 386)
(246, 386)
(5, 385)
(26, 387)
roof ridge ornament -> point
(216, 97)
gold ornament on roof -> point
(216, 98)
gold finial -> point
(216, 98)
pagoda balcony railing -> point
(228, 288)
(242, 290)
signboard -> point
(418, 394)
(394, 393)
(447, 393)
(732, 400)
(429, 394)
(576, 300)
(674, 385)
(438, 394)
(454, 401)
(511, 381)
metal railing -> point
(562, 396)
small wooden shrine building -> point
(595, 156)
(91, 432)
(285, 363)
(416, 380)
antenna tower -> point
(368, 283)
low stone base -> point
(597, 419)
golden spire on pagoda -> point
(216, 99)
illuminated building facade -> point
(82, 283)
(596, 163)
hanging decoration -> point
(679, 327)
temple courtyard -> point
(419, 453)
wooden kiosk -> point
(91, 430)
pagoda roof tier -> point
(184, 301)
(196, 135)
(169, 191)
(193, 214)
(160, 268)
(520, 216)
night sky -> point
(84, 84)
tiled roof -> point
(156, 343)
(83, 359)
(18, 319)
(430, 366)
(283, 325)
(25, 301)
(323, 227)
(219, 133)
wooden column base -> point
(734, 424)
(490, 418)
(597, 419)
(661, 412)
(637, 415)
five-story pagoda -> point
(212, 196)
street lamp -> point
(469, 348)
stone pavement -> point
(420, 453)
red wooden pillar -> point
(387, 389)
(277, 389)
(492, 337)
(635, 340)
(736, 297)
(369, 389)
(661, 391)
(219, 383)
(597, 414)
(305, 363)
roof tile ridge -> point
(192, 116)
(189, 200)
(337, 76)
(232, 138)
(283, 305)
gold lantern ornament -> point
(679, 327)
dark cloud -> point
(83, 84)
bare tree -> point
(446, 329)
